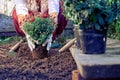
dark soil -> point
(57, 66)
(39, 52)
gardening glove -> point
(49, 39)
(31, 44)
(21, 20)
(25, 18)
(48, 42)
(54, 17)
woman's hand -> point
(53, 15)
(31, 44)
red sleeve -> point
(62, 22)
(15, 22)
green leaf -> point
(97, 26)
(100, 20)
(85, 12)
(110, 19)
(77, 7)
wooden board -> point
(99, 65)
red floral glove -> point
(25, 18)
(29, 18)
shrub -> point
(39, 29)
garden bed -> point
(57, 66)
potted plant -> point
(93, 18)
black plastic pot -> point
(92, 42)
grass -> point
(6, 39)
